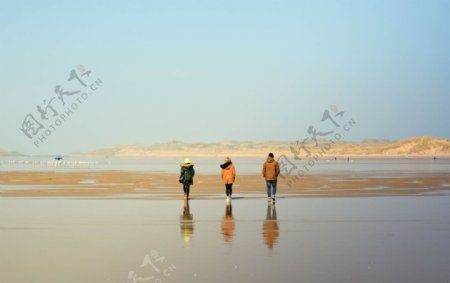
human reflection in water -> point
(186, 223)
(228, 225)
(270, 227)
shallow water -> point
(399, 239)
(244, 165)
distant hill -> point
(417, 146)
(9, 153)
(178, 148)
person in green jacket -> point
(187, 173)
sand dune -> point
(417, 146)
(9, 153)
(412, 147)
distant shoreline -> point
(264, 155)
(237, 155)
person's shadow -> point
(228, 225)
(186, 223)
(270, 227)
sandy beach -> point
(374, 221)
(128, 184)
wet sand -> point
(348, 240)
(131, 226)
(143, 185)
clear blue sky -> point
(225, 70)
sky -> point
(219, 70)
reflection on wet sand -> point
(270, 227)
(401, 239)
(186, 223)
(228, 225)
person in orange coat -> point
(228, 177)
(228, 225)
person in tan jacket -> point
(270, 171)
(228, 177)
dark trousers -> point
(186, 187)
(271, 187)
(228, 189)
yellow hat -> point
(187, 161)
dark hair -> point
(271, 154)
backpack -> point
(186, 175)
(181, 179)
